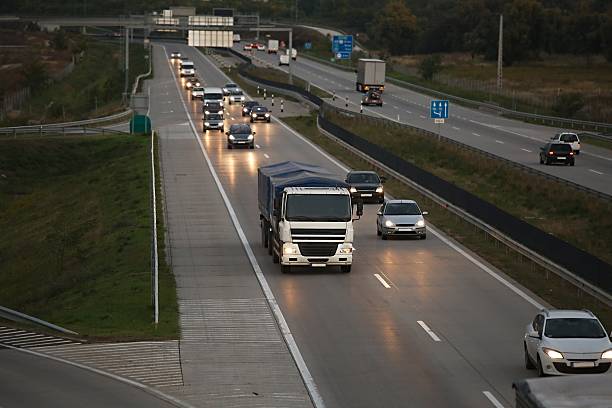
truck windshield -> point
(213, 96)
(311, 207)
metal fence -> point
(37, 131)
(13, 101)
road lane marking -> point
(596, 172)
(382, 281)
(311, 386)
(422, 117)
(476, 134)
(266, 156)
(456, 128)
(499, 141)
(395, 107)
(526, 150)
(433, 335)
(257, 146)
(493, 400)
(409, 112)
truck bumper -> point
(300, 260)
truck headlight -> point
(345, 250)
(553, 354)
(379, 189)
(389, 224)
(420, 223)
(206, 123)
(607, 354)
(290, 249)
(353, 190)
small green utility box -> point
(140, 124)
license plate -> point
(318, 265)
(583, 364)
(240, 142)
(366, 195)
(560, 158)
(405, 229)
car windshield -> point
(198, 89)
(214, 116)
(574, 328)
(231, 86)
(240, 130)
(213, 96)
(561, 148)
(235, 91)
(364, 178)
(402, 209)
(260, 109)
(250, 104)
(187, 65)
(311, 207)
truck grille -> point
(327, 235)
(318, 248)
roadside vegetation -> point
(76, 243)
(272, 74)
(551, 288)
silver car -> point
(401, 217)
(236, 96)
(213, 121)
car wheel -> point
(264, 235)
(384, 236)
(285, 268)
(275, 258)
(378, 231)
(528, 363)
(424, 236)
(577, 152)
(251, 146)
(541, 161)
(251, 120)
(547, 162)
(268, 120)
(229, 146)
(230, 102)
(541, 372)
(345, 268)
(571, 163)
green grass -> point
(596, 142)
(574, 216)
(551, 288)
(280, 76)
(93, 89)
(250, 89)
(75, 247)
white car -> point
(187, 69)
(228, 87)
(261, 47)
(560, 342)
(175, 55)
(236, 96)
(197, 92)
(570, 138)
(400, 217)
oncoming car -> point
(212, 107)
(236, 96)
(240, 135)
(191, 82)
(260, 113)
(401, 217)
(366, 185)
(559, 342)
(212, 121)
(197, 92)
(228, 87)
(175, 55)
(247, 106)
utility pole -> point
(290, 56)
(500, 52)
(127, 63)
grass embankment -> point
(93, 89)
(272, 74)
(574, 216)
(551, 288)
(75, 248)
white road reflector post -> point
(264, 94)
(346, 105)
(361, 108)
(282, 107)
(334, 96)
(398, 118)
(257, 89)
(272, 99)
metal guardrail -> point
(66, 125)
(516, 246)
(55, 130)
(15, 316)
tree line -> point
(531, 27)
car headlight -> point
(267, 115)
(554, 354)
(245, 110)
(389, 224)
(250, 137)
(379, 189)
(290, 249)
(231, 137)
(220, 112)
(420, 223)
(207, 112)
(254, 115)
(607, 354)
(206, 123)
(353, 190)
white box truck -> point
(306, 216)
(272, 46)
(370, 74)
(293, 53)
(283, 59)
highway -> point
(514, 140)
(416, 323)
(28, 380)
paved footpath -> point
(231, 350)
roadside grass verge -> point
(75, 248)
(272, 74)
(548, 286)
(585, 138)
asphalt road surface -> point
(511, 139)
(444, 329)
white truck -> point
(283, 59)
(272, 46)
(370, 75)
(293, 53)
(306, 216)
(236, 37)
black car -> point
(247, 106)
(260, 113)
(366, 185)
(212, 107)
(557, 153)
(240, 135)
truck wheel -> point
(286, 268)
(345, 268)
(275, 257)
(264, 234)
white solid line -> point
(382, 281)
(526, 150)
(433, 335)
(409, 112)
(266, 155)
(395, 107)
(476, 134)
(133, 383)
(499, 141)
(257, 146)
(493, 400)
(488, 270)
(422, 117)
(596, 172)
(311, 386)
(456, 128)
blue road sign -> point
(342, 43)
(439, 109)
(307, 45)
(343, 55)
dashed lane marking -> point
(433, 335)
(596, 172)
(526, 150)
